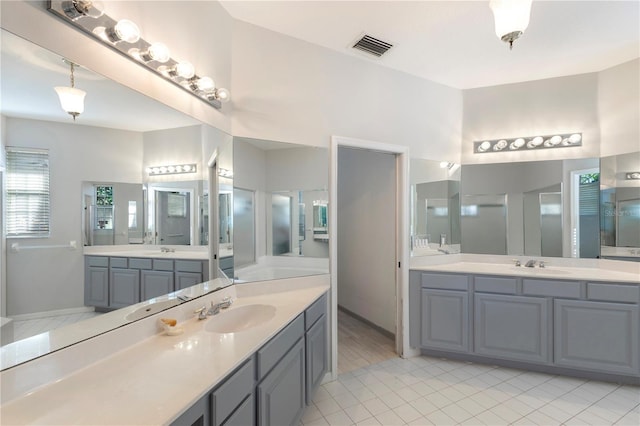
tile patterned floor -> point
(27, 328)
(432, 391)
(360, 345)
(375, 387)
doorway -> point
(173, 217)
(368, 244)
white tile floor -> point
(27, 328)
(431, 391)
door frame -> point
(402, 242)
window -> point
(28, 201)
(104, 207)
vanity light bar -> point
(124, 36)
(172, 170)
(528, 143)
(633, 175)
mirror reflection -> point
(620, 207)
(435, 207)
(280, 230)
(104, 203)
(537, 208)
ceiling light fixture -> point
(124, 36)
(71, 99)
(511, 18)
(528, 143)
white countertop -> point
(155, 380)
(556, 268)
(153, 251)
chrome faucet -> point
(530, 263)
(215, 307)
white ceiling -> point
(454, 43)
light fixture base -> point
(511, 37)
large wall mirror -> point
(280, 210)
(620, 206)
(536, 208)
(435, 207)
(101, 191)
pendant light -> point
(71, 99)
(511, 18)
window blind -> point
(28, 201)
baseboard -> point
(369, 323)
(47, 314)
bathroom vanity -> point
(257, 362)
(574, 321)
(116, 279)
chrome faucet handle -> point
(226, 302)
(214, 309)
(516, 262)
(202, 313)
(541, 264)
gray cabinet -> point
(155, 283)
(197, 415)
(316, 348)
(124, 287)
(280, 395)
(229, 400)
(444, 320)
(596, 336)
(511, 327)
(116, 282)
(96, 282)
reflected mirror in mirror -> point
(280, 210)
(537, 208)
(620, 207)
(99, 194)
(435, 207)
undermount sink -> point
(240, 318)
(151, 309)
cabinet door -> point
(124, 287)
(316, 354)
(96, 287)
(280, 395)
(187, 279)
(511, 327)
(596, 336)
(444, 320)
(196, 415)
(245, 415)
(155, 283)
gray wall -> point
(367, 235)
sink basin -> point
(241, 318)
(151, 308)
(539, 271)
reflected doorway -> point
(173, 213)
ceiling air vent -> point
(372, 45)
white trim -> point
(402, 242)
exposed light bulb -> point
(517, 144)
(184, 69)
(500, 145)
(223, 95)
(158, 52)
(78, 8)
(125, 30)
(575, 138)
(205, 84)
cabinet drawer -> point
(119, 262)
(613, 292)
(315, 311)
(226, 262)
(188, 266)
(445, 281)
(137, 263)
(233, 391)
(98, 261)
(274, 350)
(496, 285)
(551, 288)
(162, 265)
